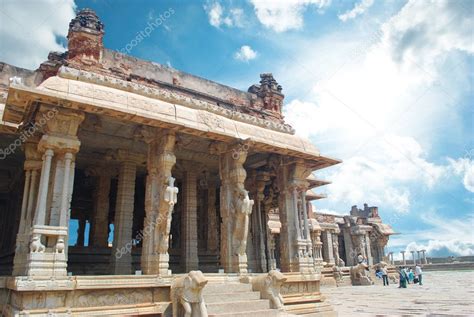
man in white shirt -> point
(418, 273)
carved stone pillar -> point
(99, 236)
(381, 249)
(261, 180)
(49, 232)
(212, 221)
(328, 247)
(121, 257)
(272, 264)
(404, 262)
(268, 203)
(413, 257)
(235, 206)
(189, 226)
(424, 257)
(252, 250)
(291, 177)
(160, 198)
(360, 245)
(335, 247)
(307, 235)
(317, 249)
(370, 259)
(348, 246)
(32, 169)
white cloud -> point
(219, 17)
(33, 31)
(330, 211)
(425, 30)
(383, 173)
(379, 113)
(245, 54)
(285, 15)
(465, 168)
(358, 9)
(444, 237)
(443, 248)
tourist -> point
(411, 276)
(384, 272)
(403, 277)
(378, 273)
(405, 269)
(418, 274)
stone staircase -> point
(234, 299)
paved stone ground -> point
(442, 294)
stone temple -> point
(189, 197)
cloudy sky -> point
(386, 86)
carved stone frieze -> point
(96, 298)
(171, 96)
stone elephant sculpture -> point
(269, 286)
(186, 292)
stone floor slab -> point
(442, 294)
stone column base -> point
(302, 296)
(239, 263)
(21, 252)
(46, 264)
(306, 264)
(156, 264)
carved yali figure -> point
(359, 275)
(243, 208)
(269, 286)
(186, 291)
(170, 197)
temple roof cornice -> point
(129, 106)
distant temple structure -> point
(161, 173)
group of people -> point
(410, 276)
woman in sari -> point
(403, 278)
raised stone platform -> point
(454, 266)
(123, 295)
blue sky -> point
(385, 86)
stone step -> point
(238, 307)
(231, 297)
(257, 313)
(220, 288)
(290, 300)
(309, 308)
